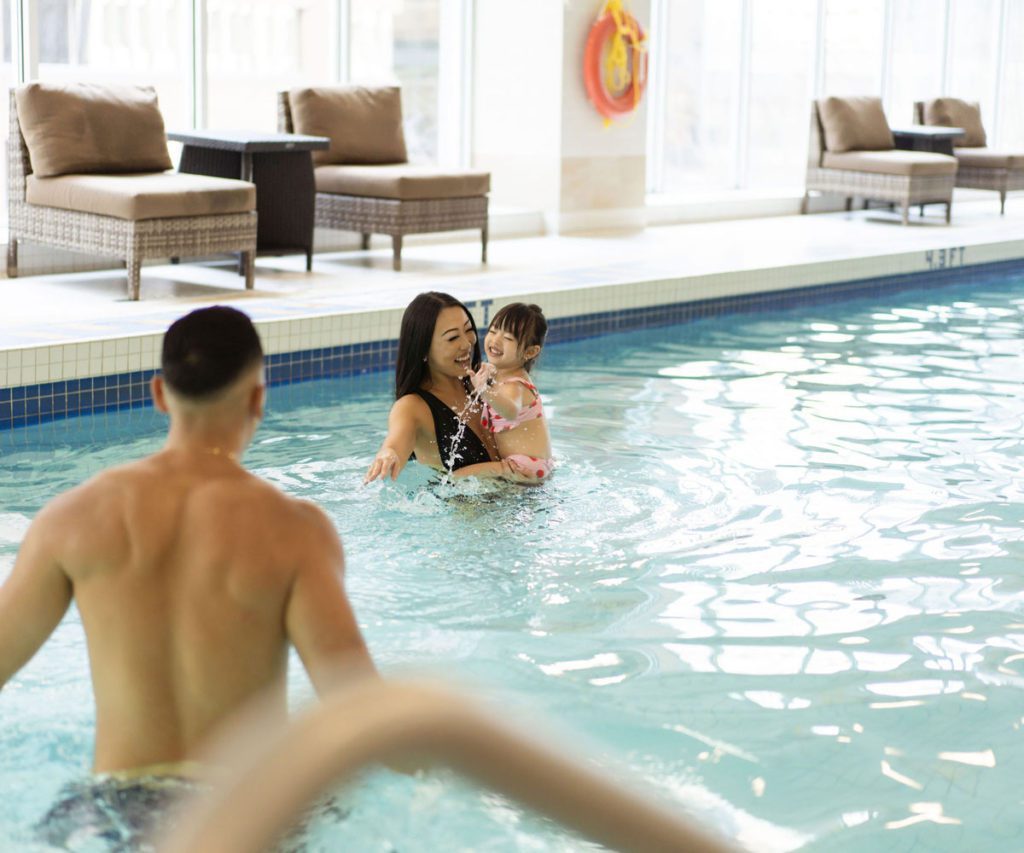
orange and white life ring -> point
(615, 62)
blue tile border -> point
(34, 404)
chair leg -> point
(1002, 202)
(396, 249)
(12, 257)
(804, 202)
(849, 203)
(365, 242)
(483, 241)
(949, 212)
(134, 266)
(920, 209)
(309, 260)
(249, 265)
(906, 214)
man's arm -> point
(319, 619)
(34, 598)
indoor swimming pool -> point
(779, 576)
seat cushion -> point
(953, 112)
(83, 127)
(986, 158)
(912, 163)
(152, 196)
(363, 123)
(402, 181)
(854, 124)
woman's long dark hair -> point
(414, 339)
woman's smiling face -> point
(451, 349)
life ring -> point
(627, 59)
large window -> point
(916, 60)
(781, 87)
(701, 94)
(731, 89)
(399, 41)
(120, 41)
(257, 47)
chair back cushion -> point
(81, 127)
(854, 124)
(952, 112)
(364, 123)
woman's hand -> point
(385, 464)
(482, 378)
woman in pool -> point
(437, 351)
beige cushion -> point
(87, 128)
(952, 112)
(986, 158)
(364, 123)
(153, 196)
(854, 124)
(401, 181)
(891, 162)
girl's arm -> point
(490, 470)
(506, 399)
(399, 443)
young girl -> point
(512, 408)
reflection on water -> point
(778, 574)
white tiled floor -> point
(615, 270)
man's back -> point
(182, 570)
(191, 576)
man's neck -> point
(207, 440)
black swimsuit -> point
(470, 451)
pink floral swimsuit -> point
(492, 420)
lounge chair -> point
(852, 154)
(364, 181)
(87, 170)
(980, 167)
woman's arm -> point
(399, 443)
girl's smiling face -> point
(451, 350)
(502, 349)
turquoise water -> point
(778, 576)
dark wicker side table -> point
(927, 137)
(281, 166)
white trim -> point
(887, 28)
(819, 51)
(200, 79)
(947, 47)
(742, 163)
(341, 33)
(24, 25)
(657, 49)
(454, 80)
(1001, 51)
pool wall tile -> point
(46, 383)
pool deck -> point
(70, 326)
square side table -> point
(281, 166)
(927, 137)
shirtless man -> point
(191, 575)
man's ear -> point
(158, 391)
(257, 400)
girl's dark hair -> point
(208, 349)
(414, 339)
(525, 323)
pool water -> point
(779, 576)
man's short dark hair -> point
(207, 350)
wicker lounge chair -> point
(980, 168)
(93, 179)
(851, 154)
(364, 181)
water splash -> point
(453, 451)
